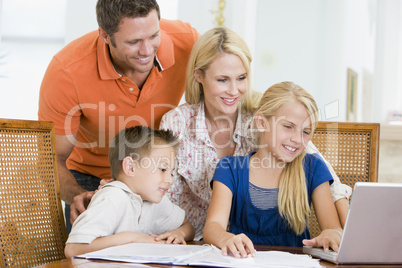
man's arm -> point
(71, 192)
(69, 188)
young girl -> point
(264, 197)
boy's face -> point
(153, 174)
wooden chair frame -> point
(32, 227)
(352, 149)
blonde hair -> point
(293, 201)
(208, 47)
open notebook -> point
(197, 255)
(373, 232)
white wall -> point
(31, 32)
(1, 12)
(289, 46)
(388, 69)
(311, 42)
(28, 41)
(80, 18)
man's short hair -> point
(109, 13)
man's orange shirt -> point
(81, 92)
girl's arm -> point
(340, 192)
(180, 235)
(217, 221)
(73, 249)
(328, 220)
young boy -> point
(133, 208)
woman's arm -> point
(176, 189)
(175, 121)
(180, 235)
(328, 220)
(342, 208)
(340, 192)
(217, 221)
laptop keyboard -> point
(320, 253)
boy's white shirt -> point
(115, 209)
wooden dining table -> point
(85, 263)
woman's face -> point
(224, 84)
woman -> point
(216, 121)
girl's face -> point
(288, 132)
(224, 84)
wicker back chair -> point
(32, 228)
(352, 149)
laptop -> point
(373, 227)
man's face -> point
(135, 44)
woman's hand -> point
(142, 238)
(329, 238)
(171, 237)
(239, 245)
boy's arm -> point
(180, 235)
(73, 249)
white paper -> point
(203, 255)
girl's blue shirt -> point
(264, 226)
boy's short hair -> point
(137, 142)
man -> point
(129, 72)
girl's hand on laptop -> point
(328, 238)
